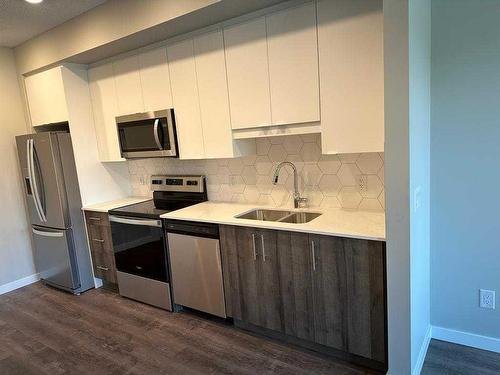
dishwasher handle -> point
(190, 228)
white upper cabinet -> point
(128, 85)
(213, 95)
(200, 97)
(46, 97)
(350, 34)
(185, 97)
(105, 109)
(248, 74)
(293, 65)
(155, 80)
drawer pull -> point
(313, 255)
(97, 240)
(102, 268)
(254, 250)
(94, 218)
(263, 247)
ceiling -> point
(20, 21)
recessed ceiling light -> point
(34, 1)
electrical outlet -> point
(487, 299)
(362, 181)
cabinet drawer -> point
(100, 238)
(104, 266)
(96, 218)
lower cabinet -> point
(251, 260)
(324, 292)
(101, 247)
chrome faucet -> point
(298, 201)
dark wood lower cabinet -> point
(323, 292)
(101, 248)
(330, 305)
(253, 284)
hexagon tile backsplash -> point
(354, 181)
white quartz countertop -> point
(111, 205)
(334, 222)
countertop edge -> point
(113, 204)
(265, 225)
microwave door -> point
(147, 134)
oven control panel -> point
(187, 183)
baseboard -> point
(423, 351)
(16, 284)
(465, 338)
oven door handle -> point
(144, 222)
(157, 136)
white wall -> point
(465, 173)
(420, 107)
(397, 183)
(407, 123)
(102, 25)
(16, 259)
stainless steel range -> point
(139, 239)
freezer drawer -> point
(197, 273)
(55, 257)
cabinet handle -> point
(313, 255)
(102, 268)
(97, 240)
(263, 247)
(253, 243)
(94, 218)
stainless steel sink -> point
(300, 217)
(264, 215)
(293, 217)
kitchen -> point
(207, 193)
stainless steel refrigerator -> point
(54, 205)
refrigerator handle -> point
(29, 155)
(47, 234)
(36, 195)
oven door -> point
(150, 134)
(139, 247)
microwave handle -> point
(157, 137)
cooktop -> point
(145, 209)
(169, 193)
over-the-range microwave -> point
(148, 134)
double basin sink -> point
(294, 217)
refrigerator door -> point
(23, 149)
(44, 182)
(55, 257)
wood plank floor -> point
(444, 358)
(45, 331)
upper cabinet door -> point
(46, 98)
(128, 85)
(351, 60)
(185, 97)
(155, 80)
(213, 96)
(105, 108)
(293, 65)
(248, 74)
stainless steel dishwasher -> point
(196, 267)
